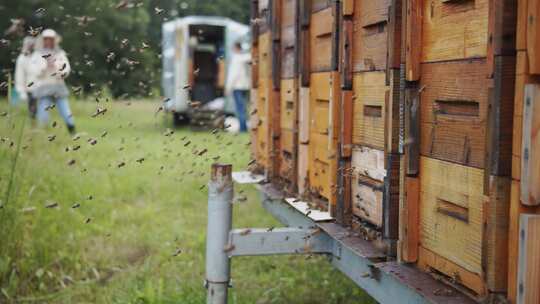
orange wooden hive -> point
(415, 118)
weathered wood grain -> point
(303, 115)
(368, 104)
(453, 111)
(303, 171)
(530, 162)
(454, 30)
(319, 134)
(321, 40)
(367, 198)
(288, 13)
(413, 38)
(500, 117)
(409, 218)
(497, 210)
(451, 213)
(288, 52)
(318, 5)
(348, 7)
(529, 263)
(289, 104)
(430, 261)
(368, 162)
(533, 35)
(516, 209)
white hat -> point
(48, 33)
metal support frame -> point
(220, 196)
(386, 281)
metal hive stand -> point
(356, 258)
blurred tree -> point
(109, 47)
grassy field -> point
(83, 223)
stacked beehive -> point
(524, 237)
(398, 116)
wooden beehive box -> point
(459, 92)
(288, 27)
(523, 279)
(370, 71)
(410, 116)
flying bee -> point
(51, 205)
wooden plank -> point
(413, 39)
(497, 209)
(336, 35)
(368, 162)
(287, 156)
(370, 37)
(367, 198)
(275, 20)
(253, 122)
(368, 104)
(265, 61)
(346, 123)
(305, 13)
(321, 37)
(516, 209)
(303, 115)
(521, 27)
(502, 27)
(530, 163)
(334, 126)
(371, 12)
(500, 118)
(255, 64)
(451, 213)
(344, 203)
(453, 111)
(394, 36)
(348, 7)
(431, 261)
(393, 119)
(288, 13)
(254, 22)
(288, 104)
(274, 132)
(529, 262)
(533, 35)
(411, 233)
(264, 16)
(319, 134)
(318, 5)
(347, 54)
(304, 58)
(454, 30)
(276, 64)
(391, 197)
(412, 130)
(303, 165)
(288, 52)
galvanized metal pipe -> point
(220, 196)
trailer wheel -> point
(180, 119)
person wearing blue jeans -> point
(240, 98)
(45, 104)
(50, 66)
(239, 82)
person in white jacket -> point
(51, 66)
(239, 82)
(24, 79)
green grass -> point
(140, 214)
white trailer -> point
(196, 53)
